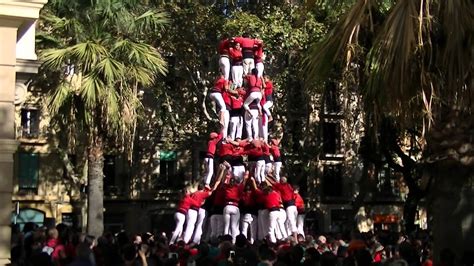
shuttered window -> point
(28, 172)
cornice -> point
(21, 10)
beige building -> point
(17, 63)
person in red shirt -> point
(267, 103)
(180, 215)
(221, 86)
(288, 197)
(248, 210)
(254, 96)
(275, 152)
(237, 115)
(235, 54)
(254, 151)
(233, 193)
(248, 50)
(276, 218)
(299, 203)
(258, 57)
(214, 138)
(224, 60)
(237, 160)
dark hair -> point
(254, 71)
(246, 35)
(129, 252)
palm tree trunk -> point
(95, 213)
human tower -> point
(248, 195)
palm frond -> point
(59, 98)
(389, 63)
(88, 53)
(457, 55)
(321, 56)
(91, 91)
(111, 69)
(55, 59)
(152, 21)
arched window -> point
(28, 215)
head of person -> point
(237, 45)
(266, 78)
(53, 233)
(296, 188)
(283, 179)
(246, 35)
(232, 181)
(254, 71)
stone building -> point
(17, 63)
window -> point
(109, 171)
(25, 216)
(331, 102)
(332, 181)
(167, 168)
(331, 138)
(28, 171)
(29, 123)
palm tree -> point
(414, 63)
(100, 60)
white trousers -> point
(260, 171)
(274, 218)
(262, 224)
(249, 64)
(251, 124)
(266, 107)
(179, 218)
(191, 218)
(281, 224)
(268, 168)
(219, 100)
(224, 66)
(249, 221)
(231, 221)
(300, 223)
(253, 96)
(198, 228)
(237, 76)
(260, 67)
(209, 165)
(291, 214)
(236, 125)
(217, 225)
(225, 127)
(238, 172)
(276, 170)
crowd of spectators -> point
(40, 246)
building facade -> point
(17, 63)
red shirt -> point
(260, 197)
(275, 151)
(200, 196)
(258, 53)
(233, 192)
(212, 144)
(246, 43)
(219, 199)
(226, 149)
(273, 200)
(236, 103)
(236, 56)
(268, 93)
(299, 203)
(247, 199)
(220, 85)
(253, 83)
(186, 203)
(266, 150)
(286, 191)
(227, 99)
(224, 47)
(237, 151)
(253, 151)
